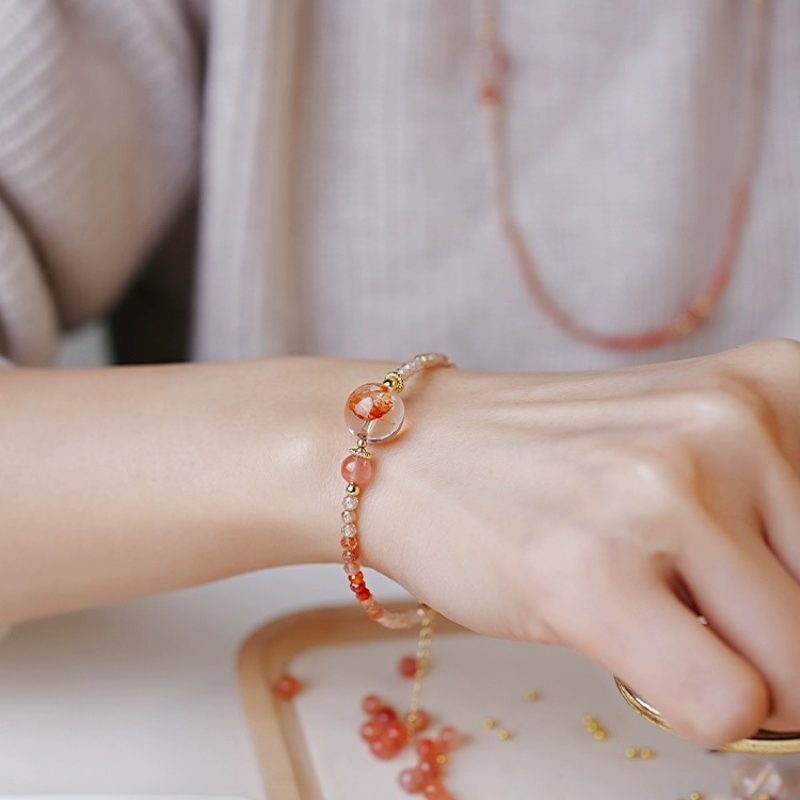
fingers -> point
(752, 603)
(639, 630)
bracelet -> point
(374, 412)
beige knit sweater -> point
(334, 148)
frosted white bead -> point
(350, 503)
(348, 516)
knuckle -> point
(731, 407)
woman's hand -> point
(604, 511)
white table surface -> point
(141, 697)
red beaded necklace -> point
(493, 71)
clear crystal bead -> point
(348, 516)
(757, 780)
(350, 503)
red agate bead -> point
(411, 780)
(407, 666)
(371, 704)
(450, 738)
(286, 686)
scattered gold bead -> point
(489, 723)
(589, 721)
(441, 759)
(631, 752)
(504, 734)
(599, 734)
(352, 489)
(531, 695)
(648, 752)
(696, 796)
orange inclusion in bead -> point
(370, 401)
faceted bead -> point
(372, 704)
(374, 612)
(756, 780)
(363, 593)
(450, 738)
(349, 556)
(350, 503)
(374, 412)
(348, 517)
(407, 666)
(357, 470)
(352, 568)
(411, 780)
(349, 530)
(286, 686)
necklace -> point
(494, 67)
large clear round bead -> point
(374, 412)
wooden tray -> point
(309, 749)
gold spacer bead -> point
(441, 759)
(696, 796)
(489, 723)
(600, 734)
(353, 490)
(361, 442)
(504, 734)
(361, 452)
(394, 381)
(531, 695)
(646, 752)
(631, 752)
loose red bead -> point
(371, 730)
(397, 732)
(411, 780)
(371, 704)
(286, 686)
(450, 738)
(423, 720)
(383, 747)
(427, 748)
(435, 790)
(407, 666)
(385, 715)
(429, 767)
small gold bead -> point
(646, 752)
(490, 723)
(531, 695)
(631, 752)
(600, 734)
(696, 796)
(361, 443)
(352, 490)
(504, 734)
(441, 759)
(394, 381)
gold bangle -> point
(766, 743)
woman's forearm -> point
(126, 481)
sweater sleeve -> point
(99, 120)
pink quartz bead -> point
(357, 470)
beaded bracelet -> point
(374, 413)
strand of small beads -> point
(374, 413)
